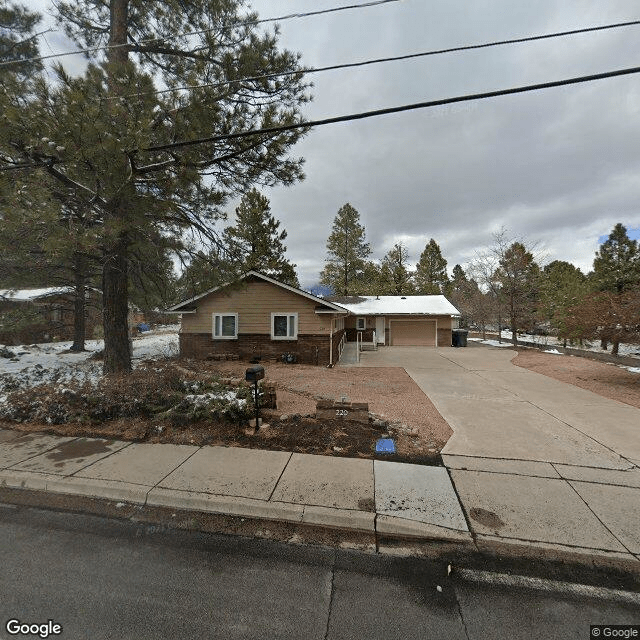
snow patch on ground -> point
(203, 399)
(632, 350)
(632, 369)
(52, 362)
(554, 351)
(491, 343)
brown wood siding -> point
(254, 303)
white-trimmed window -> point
(361, 324)
(225, 326)
(284, 326)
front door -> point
(380, 329)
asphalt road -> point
(102, 578)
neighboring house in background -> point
(41, 315)
(400, 320)
(258, 316)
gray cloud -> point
(558, 167)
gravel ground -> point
(605, 379)
(390, 392)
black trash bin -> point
(459, 337)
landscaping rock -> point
(333, 410)
(6, 353)
(269, 399)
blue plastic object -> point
(143, 326)
(385, 445)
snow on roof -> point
(391, 305)
(28, 295)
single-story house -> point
(400, 320)
(39, 315)
(258, 316)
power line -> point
(378, 112)
(399, 109)
(349, 65)
(289, 16)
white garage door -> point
(410, 333)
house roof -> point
(399, 305)
(29, 295)
(188, 305)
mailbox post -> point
(253, 374)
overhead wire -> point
(398, 109)
(370, 114)
(372, 61)
(187, 34)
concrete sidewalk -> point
(387, 500)
(355, 494)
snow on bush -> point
(48, 384)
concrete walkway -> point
(355, 494)
(532, 459)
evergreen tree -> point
(205, 271)
(18, 43)
(395, 278)
(562, 286)
(616, 271)
(431, 271)
(368, 282)
(616, 267)
(458, 279)
(517, 275)
(106, 139)
(257, 238)
(347, 253)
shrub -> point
(150, 390)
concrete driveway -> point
(533, 459)
(498, 410)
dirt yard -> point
(607, 380)
(401, 411)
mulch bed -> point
(300, 434)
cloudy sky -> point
(558, 168)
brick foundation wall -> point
(308, 349)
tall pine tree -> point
(616, 267)
(395, 278)
(107, 138)
(518, 278)
(431, 271)
(347, 253)
(562, 286)
(258, 241)
(616, 271)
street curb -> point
(365, 532)
(225, 505)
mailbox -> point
(253, 374)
